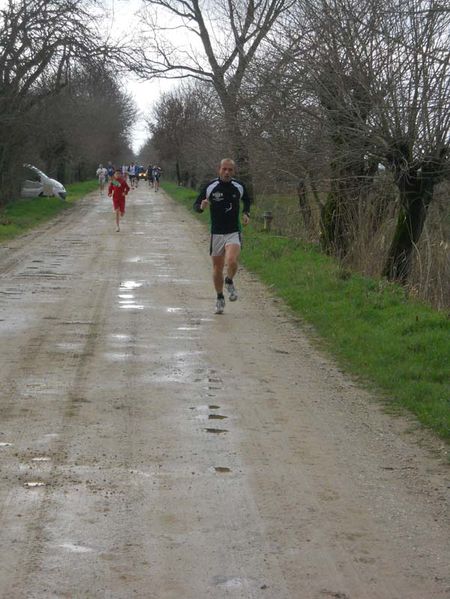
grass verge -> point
(394, 344)
(21, 215)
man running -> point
(156, 174)
(223, 196)
(102, 174)
(132, 172)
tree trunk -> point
(242, 159)
(334, 225)
(178, 172)
(61, 170)
(238, 143)
(416, 194)
(11, 156)
(349, 192)
(4, 171)
(303, 204)
(337, 215)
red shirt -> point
(118, 188)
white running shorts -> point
(218, 242)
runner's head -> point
(117, 173)
(226, 169)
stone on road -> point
(152, 449)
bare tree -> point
(381, 74)
(284, 122)
(418, 107)
(183, 133)
(40, 41)
(86, 123)
(224, 38)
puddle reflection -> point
(130, 285)
(73, 347)
(76, 548)
(117, 356)
(120, 337)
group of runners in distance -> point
(132, 173)
(121, 180)
(223, 196)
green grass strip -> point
(392, 343)
(19, 216)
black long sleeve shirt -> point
(224, 198)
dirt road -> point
(151, 449)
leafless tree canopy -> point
(43, 46)
(184, 125)
(221, 41)
(330, 98)
(345, 103)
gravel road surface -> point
(151, 449)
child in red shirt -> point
(118, 189)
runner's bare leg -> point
(232, 252)
(218, 264)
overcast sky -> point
(124, 14)
(145, 93)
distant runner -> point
(102, 175)
(118, 189)
(132, 173)
(223, 195)
(110, 168)
(156, 174)
(150, 175)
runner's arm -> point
(198, 202)
(246, 201)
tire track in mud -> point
(16, 251)
(39, 463)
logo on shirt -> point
(217, 196)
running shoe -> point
(117, 229)
(232, 291)
(220, 305)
